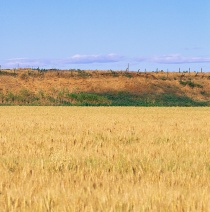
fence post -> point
(127, 69)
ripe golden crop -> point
(104, 159)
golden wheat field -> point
(104, 159)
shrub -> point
(163, 78)
(87, 98)
(2, 98)
(126, 74)
(114, 73)
(82, 73)
(203, 93)
(8, 73)
(24, 76)
(10, 97)
(190, 84)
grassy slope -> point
(78, 87)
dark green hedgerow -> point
(128, 99)
(25, 97)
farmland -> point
(104, 159)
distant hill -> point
(78, 87)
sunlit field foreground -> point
(104, 159)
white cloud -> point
(86, 59)
(75, 59)
(25, 62)
(175, 59)
(192, 48)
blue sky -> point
(105, 34)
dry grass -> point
(104, 159)
(107, 81)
